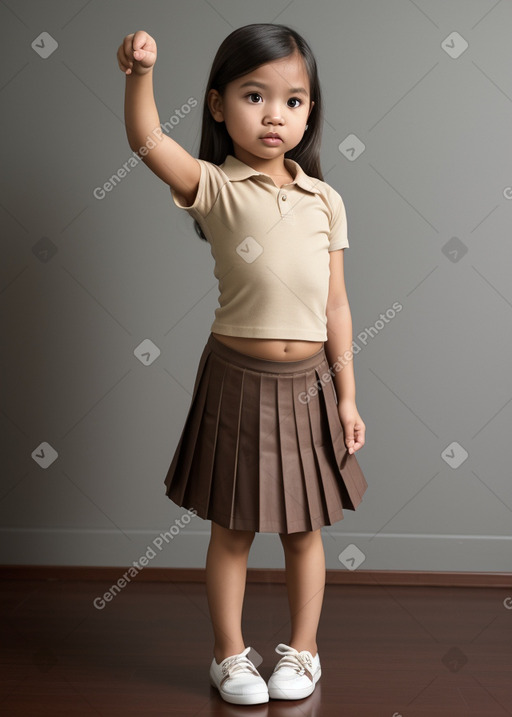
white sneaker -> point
(238, 680)
(295, 675)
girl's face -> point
(273, 99)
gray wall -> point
(85, 280)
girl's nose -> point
(274, 118)
(274, 113)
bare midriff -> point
(271, 349)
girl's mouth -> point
(272, 140)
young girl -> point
(270, 438)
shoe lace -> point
(299, 661)
(238, 663)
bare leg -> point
(226, 574)
(305, 580)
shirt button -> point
(283, 197)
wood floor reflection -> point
(386, 651)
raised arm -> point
(167, 159)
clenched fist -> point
(137, 53)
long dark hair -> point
(245, 49)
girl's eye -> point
(294, 99)
(255, 95)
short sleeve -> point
(211, 181)
(338, 237)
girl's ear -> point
(312, 105)
(215, 105)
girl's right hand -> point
(137, 53)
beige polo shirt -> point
(271, 248)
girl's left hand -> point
(353, 425)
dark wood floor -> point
(386, 651)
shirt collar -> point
(237, 170)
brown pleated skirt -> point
(262, 448)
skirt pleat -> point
(270, 463)
(353, 484)
(181, 463)
(316, 507)
(224, 487)
(247, 497)
(260, 450)
(295, 498)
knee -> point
(300, 542)
(235, 541)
